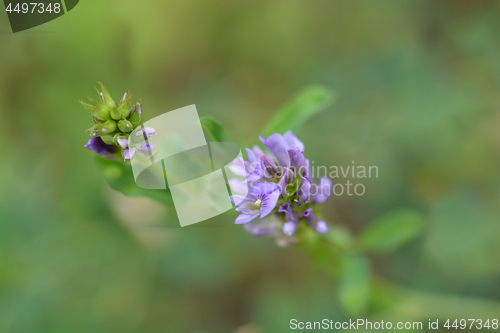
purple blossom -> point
(304, 191)
(146, 147)
(122, 142)
(320, 226)
(98, 146)
(287, 178)
(279, 146)
(147, 132)
(128, 153)
(282, 174)
(260, 202)
(292, 141)
(322, 191)
(291, 220)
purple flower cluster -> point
(278, 189)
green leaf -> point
(119, 177)
(354, 283)
(303, 106)
(390, 231)
(214, 130)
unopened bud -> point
(125, 126)
(136, 115)
(97, 110)
(105, 128)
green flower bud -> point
(125, 126)
(104, 128)
(111, 118)
(106, 97)
(136, 117)
(124, 106)
(109, 103)
(97, 110)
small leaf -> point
(391, 231)
(303, 106)
(354, 283)
(339, 236)
(119, 177)
(214, 129)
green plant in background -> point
(334, 249)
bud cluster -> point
(113, 123)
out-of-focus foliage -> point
(292, 116)
(417, 95)
(391, 231)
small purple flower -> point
(307, 172)
(322, 191)
(128, 153)
(146, 147)
(122, 142)
(304, 190)
(147, 132)
(270, 168)
(292, 141)
(99, 147)
(297, 160)
(291, 220)
(260, 201)
(319, 226)
(322, 227)
(279, 146)
(244, 168)
(287, 177)
(254, 154)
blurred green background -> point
(417, 86)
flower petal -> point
(322, 191)
(290, 227)
(251, 155)
(128, 153)
(305, 190)
(257, 151)
(238, 167)
(289, 215)
(238, 200)
(98, 146)
(321, 227)
(282, 186)
(308, 215)
(247, 206)
(278, 147)
(297, 160)
(292, 141)
(269, 200)
(146, 147)
(149, 131)
(238, 186)
(246, 217)
(269, 167)
(307, 172)
(122, 142)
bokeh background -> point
(417, 86)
